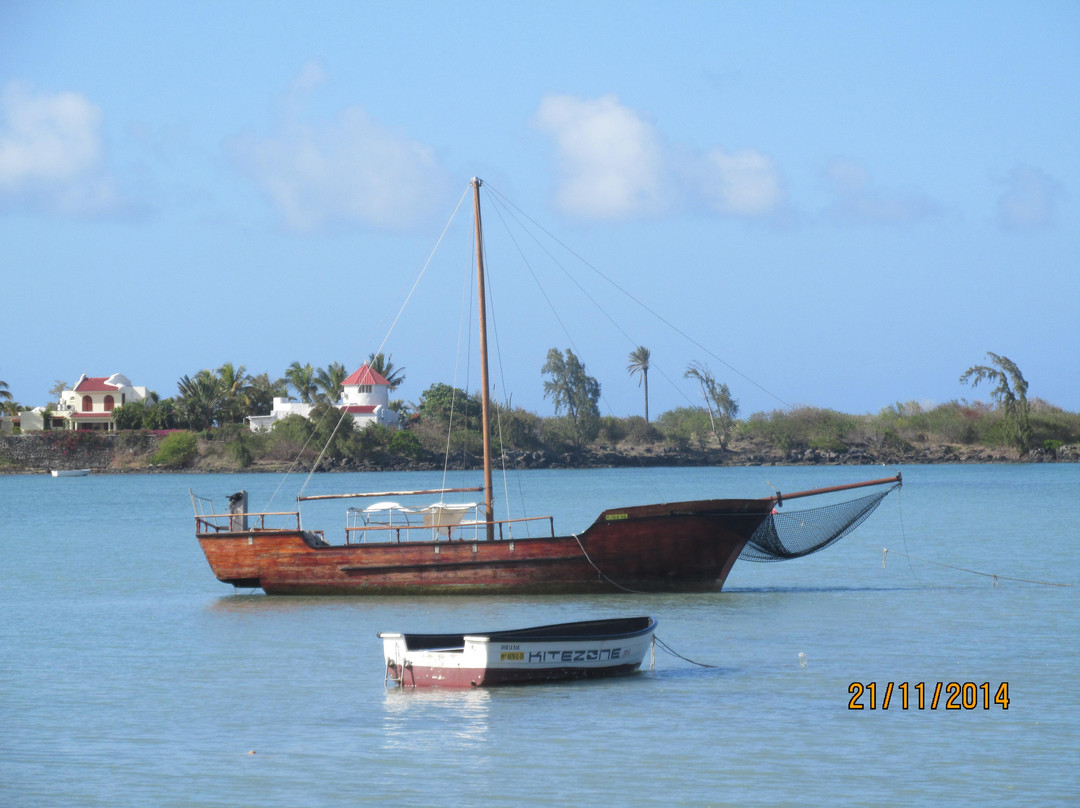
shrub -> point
(241, 448)
(406, 444)
(640, 432)
(685, 426)
(612, 429)
(176, 451)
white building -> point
(88, 406)
(365, 395)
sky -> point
(827, 204)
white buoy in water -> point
(802, 659)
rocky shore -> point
(132, 453)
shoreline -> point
(114, 460)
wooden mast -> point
(485, 404)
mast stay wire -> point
(547, 299)
(506, 201)
(490, 297)
(464, 328)
(393, 324)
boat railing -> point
(207, 520)
(270, 520)
(474, 530)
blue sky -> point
(842, 205)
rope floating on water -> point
(996, 577)
(993, 576)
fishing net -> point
(799, 533)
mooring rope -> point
(601, 572)
(673, 652)
(995, 576)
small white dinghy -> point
(70, 472)
(586, 649)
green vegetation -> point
(721, 406)
(384, 367)
(1010, 394)
(176, 451)
(571, 389)
(639, 366)
(207, 425)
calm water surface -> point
(130, 677)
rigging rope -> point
(493, 192)
(389, 331)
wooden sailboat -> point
(669, 547)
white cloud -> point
(743, 183)
(52, 154)
(614, 164)
(311, 76)
(351, 171)
(611, 161)
(1030, 199)
(857, 201)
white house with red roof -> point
(365, 395)
(90, 404)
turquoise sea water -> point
(130, 677)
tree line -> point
(446, 420)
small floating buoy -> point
(802, 661)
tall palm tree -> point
(384, 367)
(329, 381)
(639, 365)
(302, 378)
(5, 397)
(234, 384)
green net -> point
(799, 533)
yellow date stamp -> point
(928, 696)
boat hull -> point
(585, 650)
(673, 547)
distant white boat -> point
(70, 472)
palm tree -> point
(234, 384)
(201, 399)
(329, 381)
(261, 392)
(384, 367)
(639, 365)
(302, 378)
(5, 397)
